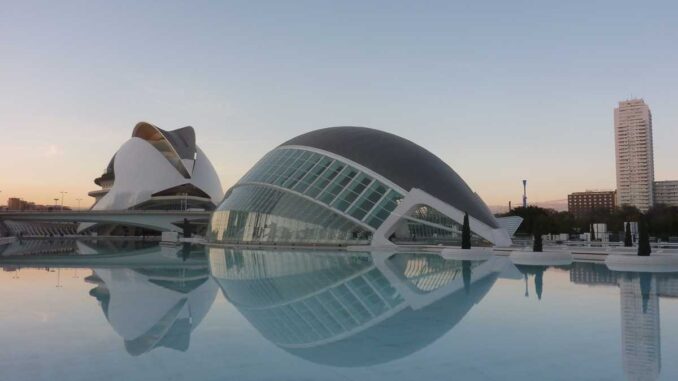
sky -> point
(501, 91)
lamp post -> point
(56, 203)
(78, 200)
(62, 199)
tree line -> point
(662, 220)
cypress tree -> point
(466, 275)
(628, 241)
(593, 233)
(537, 245)
(644, 248)
(466, 233)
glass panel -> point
(324, 179)
(308, 160)
(366, 202)
(384, 209)
(337, 185)
(312, 175)
(354, 189)
(259, 214)
(427, 225)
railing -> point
(659, 245)
(104, 212)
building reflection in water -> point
(351, 309)
(336, 308)
(640, 324)
(156, 305)
(641, 344)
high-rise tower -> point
(634, 154)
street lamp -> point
(78, 200)
(62, 199)
(56, 204)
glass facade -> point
(258, 214)
(330, 181)
(427, 225)
(293, 195)
(259, 211)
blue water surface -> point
(137, 311)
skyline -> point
(475, 85)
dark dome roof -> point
(401, 161)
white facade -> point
(141, 170)
(634, 154)
(666, 192)
(157, 170)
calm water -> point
(153, 313)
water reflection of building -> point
(592, 274)
(350, 309)
(641, 347)
(155, 306)
(639, 300)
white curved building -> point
(158, 170)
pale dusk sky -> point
(501, 91)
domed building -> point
(352, 186)
(157, 170)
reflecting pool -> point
(127, 311)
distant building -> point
(666, 192)
(14, 203)
(634, 154)
(582, 203)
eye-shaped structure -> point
(158, 170)
(351, 309)
(352, 185)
